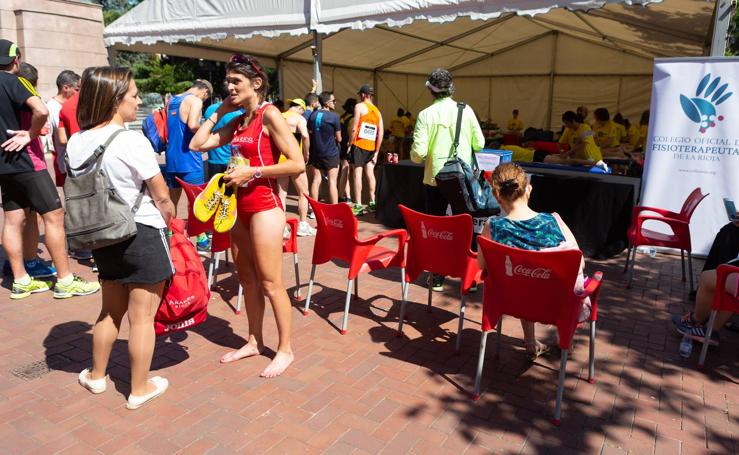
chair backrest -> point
(438, 244)
(337, 232)
(536, 286)
(194, 226)
(722, 300)
(691, 203)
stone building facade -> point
(54, 35)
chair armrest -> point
(672, 222)
(643, 208)
(593, 285)
(400, 234)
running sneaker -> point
(83, 255)
(206, 203)
(39, 269)
(78, 286)
(311, 215)
(436, 282)
(346, 200)
(305, 229)
(226, 214)
(372, 206)
(687, 325)
(21, 291)
(358, 209)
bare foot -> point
(248, 350)
(278, 365)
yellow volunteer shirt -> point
(591, 151)
(398, 125)
(608, 134)
(514, 124)
(643, 131)
(523, 154)
(634, 135)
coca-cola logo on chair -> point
(540, 273)
(335, 222)
(427, 233)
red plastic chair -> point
(439, 244)
(722, 301)
(221, 242)
(678, 222)
(536, 286)
(337, 239)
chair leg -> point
(480, 364)
(497, 341)
(310, 290)
(631, 267)
(348, 302)
(682, 263)
(238, 300)
(298, 296)
(704, 349)
(356, 287)
(690, 270)
(591, 363)
(403, 300)
(628, 255)
(462, 304)
(560, 388)
(431, 284)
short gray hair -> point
(67, 77)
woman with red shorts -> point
(261, 135)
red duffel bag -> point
(185, 302)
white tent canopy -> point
(542, 57)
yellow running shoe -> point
(226, 214)
(207, 201)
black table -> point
(596, 207)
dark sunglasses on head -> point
(242, 59)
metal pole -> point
(112, 54)
(317, 49)
(721, 21)
(281, 82)
(551, 80)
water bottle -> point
(686, 347)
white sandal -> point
(93, 385)
(135, 402)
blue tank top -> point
(179, 156)
(541, 231)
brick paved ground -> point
(368, 391)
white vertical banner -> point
(693, 141)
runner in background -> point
(299, 127)
(367, 132)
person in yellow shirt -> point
(515, 124)
(398, 127)
(609, 135)
(643, 131)
(579, 137)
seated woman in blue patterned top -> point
(526, 229)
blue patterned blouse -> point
(541, 231)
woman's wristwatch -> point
(258, 173)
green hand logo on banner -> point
(702, 110)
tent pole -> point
(376, 88)
(317, 50)
(722, 18)
(281, 77)
(112, 56)
(618, 97)
(550, 102)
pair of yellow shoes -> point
(217, 199)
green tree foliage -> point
(732, 47)
(154, 76)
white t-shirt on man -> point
(128, 162)
(55, 107)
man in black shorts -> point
(324, 129)
(367, 132)
(23, 187)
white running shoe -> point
(305, 229)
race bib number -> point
(478, 224)
(367, 131)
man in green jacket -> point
(433, 137)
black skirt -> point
(143, 258)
